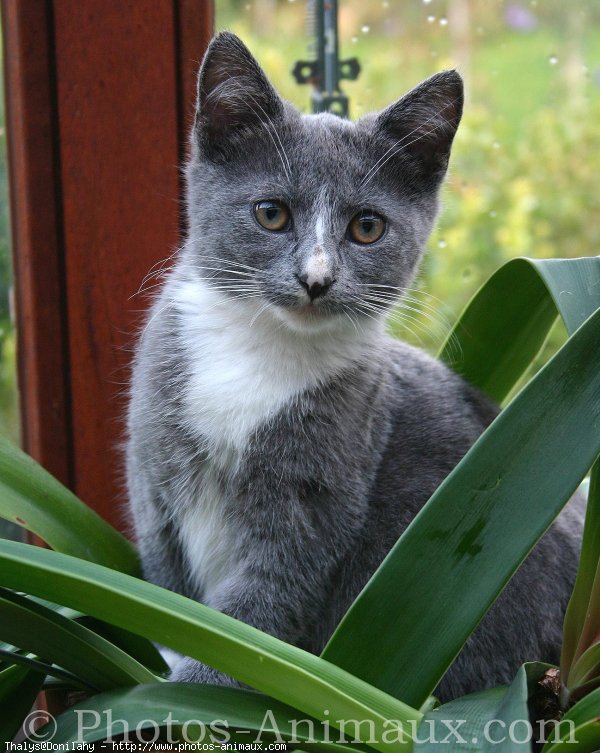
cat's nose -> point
(315, 285)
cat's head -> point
(317, 219)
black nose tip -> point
(314, 287)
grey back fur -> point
(279, 445)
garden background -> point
(525, 170)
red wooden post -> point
(98, 94)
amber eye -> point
(272, 215)
(366, 227)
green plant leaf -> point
(587, 736)
(584, 709)
(581, 723)
(18, 690)
(35, 500)
(182, 702)
(48, 634)
(585, 668)
(470, 713)
(29, 661)
(141, 649)
(481, 720)
(574, 286)
(506, 323)
(284, 672)
(493, 343)
(539, 449)
(582, 620)
(6, 648)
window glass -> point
(524, 172)
(9, 421)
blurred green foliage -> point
(9, 423)
(524, 173)
(8, 390)
(524, 177)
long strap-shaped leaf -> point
(284, 672)
(538, 450)
(179, 703)
(581, 723)
(505, 324)
(18, 689)
(31, 662)
(499, 333)
(35, 500)
(49, 634)
(478, 723)
(582, 621)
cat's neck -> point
(254, 325)
(246, 364)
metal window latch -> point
(327, 70)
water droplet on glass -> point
(442, 243)
(443, 21)
(552, 59)
(354, 40)
(430, 19)
(365, 29)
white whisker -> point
(279, 149)
(381, 161)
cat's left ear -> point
(234, 95)
(424, 121)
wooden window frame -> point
(99, 98)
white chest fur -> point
(245, 366)
(205, 538)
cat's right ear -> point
(424, 121)
(234, 97)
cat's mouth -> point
(307, 317)
(307, 310)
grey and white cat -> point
(279, 440)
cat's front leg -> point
(156, 539)
(278, 578)
(257, 604)
(249, 603)
(191, 670)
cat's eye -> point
(366, 227)
(272, 215)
